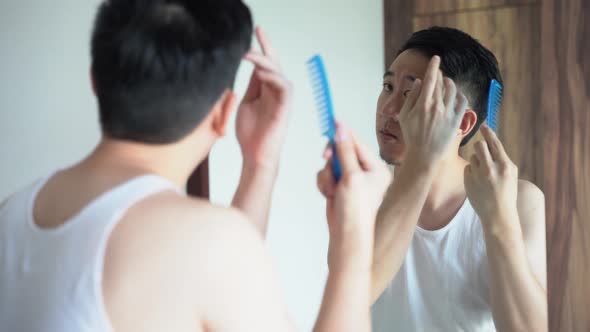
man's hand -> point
(261, 127)
(515, 253)
(431, 115)
(263, 113)
(352, 203)
(491, 182)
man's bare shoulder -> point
(168, 240)
(530, 197)
(531, 213)
(185, 218)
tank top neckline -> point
(73, 220)
(454, 221)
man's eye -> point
(387, 87)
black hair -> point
(160, 65)
(463, 59)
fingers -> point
(461, 104)
(483, 155)
(261, 61)
(345, 150)
(325, 181)
(411, 99)
(254, 88)
(438, 89)
(430, 78)
(365, 157)
(467, 171)
(450, 94)
(276, 81)
(474, 161)
(327, 154)
(265, 61)
(494, 145)
(326, 184)
(264, 42)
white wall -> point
(48, 115)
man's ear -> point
(468, 123)
(222, 112)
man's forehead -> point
(409, 63)
(406, 75)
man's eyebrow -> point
(410, 78)
(389, 73)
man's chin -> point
(391, 160)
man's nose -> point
(392, 107)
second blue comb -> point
(323, 100)
(494, 101)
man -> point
(113, 244)
(459, 246)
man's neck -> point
(447, 185)
(446, 195)
(130, 159)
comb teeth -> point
(494, 101)
(322, 97)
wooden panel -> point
(198, 183)
(427, 7)
(513, 35)
(565, 73)
(398, 26)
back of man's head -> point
(464, 60)
(160, 65)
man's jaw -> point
(389, 160)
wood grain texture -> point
(427, 7)
(198, 183)
(397, 25)
(513, 35)
(565, 73)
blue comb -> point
(323, 100)
(494, 101)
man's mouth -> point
(388, 137)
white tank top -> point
(443, 283)
(51, 279)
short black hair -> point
(160, 65)
(463, 59)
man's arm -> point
(351, 210)
(254, 193)
(531, 210)
(346, 302)
(396, 222)
(261, 126)
(513, 218)
(517, 265)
